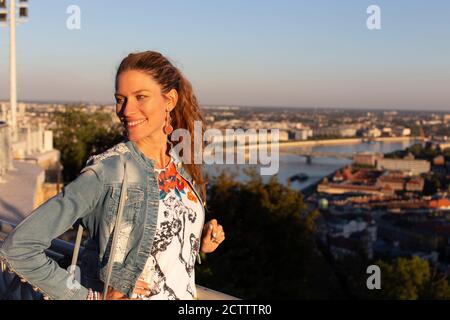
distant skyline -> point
(245, 53)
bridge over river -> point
(310, 154)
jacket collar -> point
(146, 161)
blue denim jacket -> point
(93, 198)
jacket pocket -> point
(133, 204)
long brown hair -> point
(187, 109)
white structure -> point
(346, 228)
(340, 131)
(248, 137)
(5, 154)
(48, 140)
(23, 14)
(32, 141)
(406, 132)
(303, 134)
(414, 167)
(374, 133)
(347, 132)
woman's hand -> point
(212, 236)
(141, 288)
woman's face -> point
(141, 106)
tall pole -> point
(12, 66)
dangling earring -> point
(168, 127)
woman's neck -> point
(155, 149)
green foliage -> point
(269, 251)
(446, 154)
(404, 279)
(432, 184)
(401, 279)
(79, 135)
(412, 279)
(363, 166)
(421, 152)
(416, 130)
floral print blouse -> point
(169, 271)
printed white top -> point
(170, 268)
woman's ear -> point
(172, 97)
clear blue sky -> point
(243, 52)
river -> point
(290, 164)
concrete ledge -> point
(209, 294)
(19, 190)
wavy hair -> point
(187, 109)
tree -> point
(401, 279)
(412, 279)
(446, 153)
(432, 184)
(269, 251)
(78, 135)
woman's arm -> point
(23, 249)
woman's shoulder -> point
(113, 154)
(108, 163)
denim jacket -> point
(93, 199)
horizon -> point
(101, 104)
(288, 54)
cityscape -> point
(395, 203)
(362, 155)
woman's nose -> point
(128, 109)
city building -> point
(373, 133)
(439, 160)
(346, 131)
(406, 132)
(342, 188)
(415, 184)
(409, 235)
(354, 237)
(367, 158)
(446, 118)
(440, 204)
(392, 180)
(408, 164)
(303, 134)
(387, 131)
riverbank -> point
(290, 163)
(311, 189)
(313, 143)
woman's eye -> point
(140, 97)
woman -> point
(162, 228)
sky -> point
(297, 53)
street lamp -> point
(10, 16)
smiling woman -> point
(161, 230)
(139, 99)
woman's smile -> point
(134, 124)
